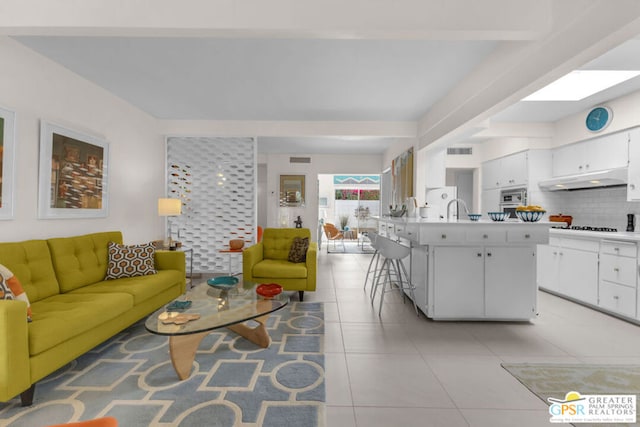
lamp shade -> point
(169, 207)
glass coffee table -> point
(212, 308)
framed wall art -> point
(73, 174)
(291, 190)
(7, 162)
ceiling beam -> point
(398, 19)
(288, 128)
(516, 69)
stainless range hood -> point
(605, 178)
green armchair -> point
(267, 261)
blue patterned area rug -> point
(233, 382)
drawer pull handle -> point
(616, 269)
(444, 236)
(479, 255)
(484, 236)
(616, 249)
(526, 236)
(488, 253)
(616, 297)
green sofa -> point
(74, 308)
(267, 261)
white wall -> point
(278, 164)
(625, 116)
(36, 88)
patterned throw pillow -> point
(11, 288)
(298, 251)
(130, 260)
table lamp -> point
(169, 208)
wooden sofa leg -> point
(26, 397)
(301, 295)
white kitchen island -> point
(465, 270)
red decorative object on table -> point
(268, 290)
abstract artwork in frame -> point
(7, 162)
(73, 174)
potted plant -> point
(344, 221)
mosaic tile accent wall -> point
(215, 178)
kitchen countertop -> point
(596, 235)
(419, 220)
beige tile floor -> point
(404, 370)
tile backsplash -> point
(599, 207)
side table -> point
(231, 252)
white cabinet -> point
(617, 279)
(509, 277)
(478, 282)
(569, 267)
(419, 276)
(608, 152)
(600, 272)
(578, 274)
(458, 282)
(490, 201)
(508, 171)
(633, 186)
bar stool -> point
(372, 235)
(393, 254)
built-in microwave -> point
(511, 199)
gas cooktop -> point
(589, 228)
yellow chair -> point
(267, 261)
(333, 235)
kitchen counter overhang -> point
(428, 232)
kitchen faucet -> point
(464, 205)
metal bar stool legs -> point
(376, 258)
(393, 254)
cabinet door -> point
(458, 282)
(608, 152)
(514, 170)
(490, 201)
(491, 174)
(547, 267)
(419, 270)
(617, 298)
(633, 188)
(567, 160)
(510, 286)
(578, 275)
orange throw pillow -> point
(10, 288)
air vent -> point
(299, 159)
(465, 151)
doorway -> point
(349, 202)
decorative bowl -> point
(223, 282)
(498, 216)
(236, 244)
(530, 216)
(268, 290)
(474, 217)
(397, 213)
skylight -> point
(580, 84)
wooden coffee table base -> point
(182, 348)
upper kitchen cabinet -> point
(633, 186)
(515, 170)
(607, 152)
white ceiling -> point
(623, 57)
(442, 66)
(269, 79)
